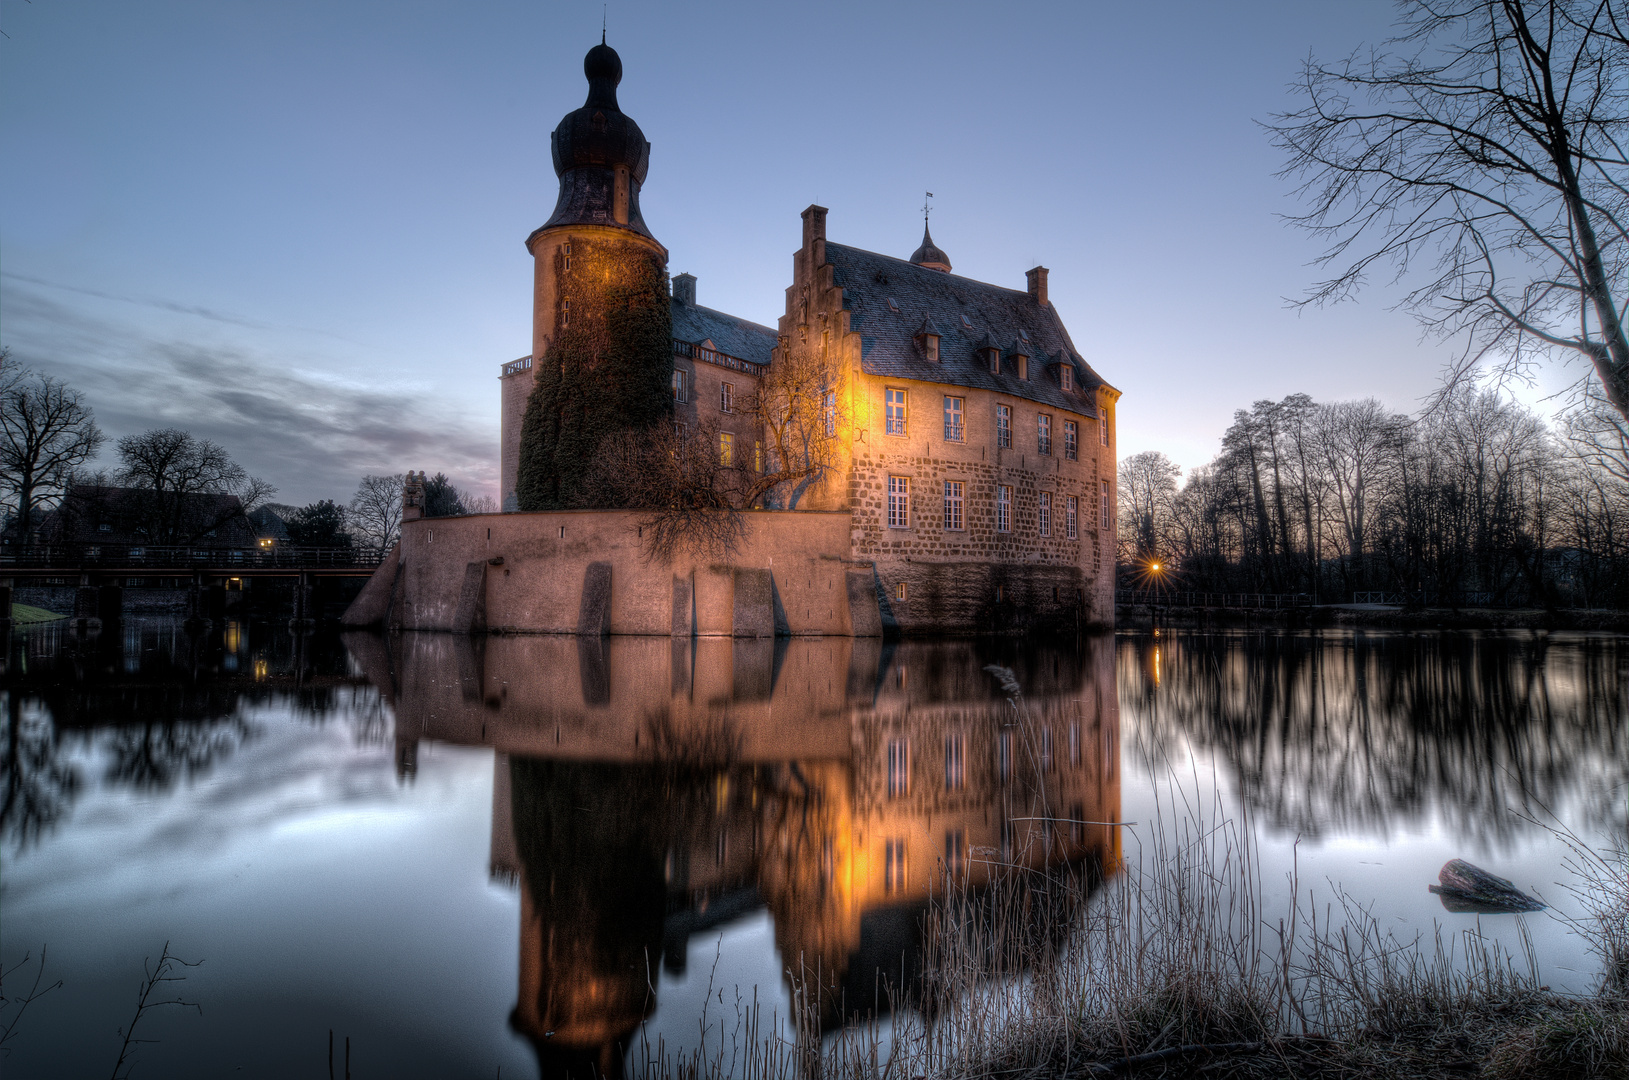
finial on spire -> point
(927, 208)
(604, 18)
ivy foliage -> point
(607, 373)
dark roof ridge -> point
(924, 270)
(727, 315)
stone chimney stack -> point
(1037, 285)
(814, 233)
(684, 288)
(412, 496)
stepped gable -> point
(888, 339)
(729, 334)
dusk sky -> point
(296, 228)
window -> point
(726, 397)
(1071, 509)
(565, 313)
(953, 419)
(726, 449)
(680, 433)
(1045, 513)
(1004, 754)
(1103, 424)
(966, 325)
(893, 865)
(955, 767)
(831, 412)
(1004, 426)
(566, 250)
(892, 306)
(1022, 363)
(1066, 376)
(681, 385)
(899, 502)
(900, 593)
(1003, 508)
(1071, 440)
(993, 358)
(930, 345)
(1104, 522)
(894, 410)
(953, 504)
(899, 768)
(955, 847)
(757, 456)
(1043, 434)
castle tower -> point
(595, 238)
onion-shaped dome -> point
(592, 145)
(929, 255)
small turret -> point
(929, 255)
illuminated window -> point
(1071, 507)
(900, 590)
(681, 385)
(726, 397)
(899, 502)
(1004, 426)
(726, 449)
(955, 767)
(1066, 376)
(894, 410)
(1071, 440)
(955, 849)
(1044, 514)
(1003, 508)
(1043, 434)
(953, 504)
(757, 456)
(899, 768)
(893, 865)
(953, 419)
(1104, 522)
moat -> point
(479, 856)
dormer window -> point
(930, 346)
(1066, 376)
(992, 356)
(1021, 362)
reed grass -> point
(1174, 965)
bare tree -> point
(694, 484)
(1484, 162)
(376, 510)
(172, 465)
(1147, 490)
(46, 433)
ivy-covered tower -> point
(601, 358)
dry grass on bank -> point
(1172, 967)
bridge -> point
(101, 572)
(1254, 601)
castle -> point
(971, 487)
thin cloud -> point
(313, 435)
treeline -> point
(1474, 501)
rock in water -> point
(1470, 888)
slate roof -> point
(888, 345)
(736, 337)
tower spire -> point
(929, 255)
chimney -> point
(1037, 285)
(684, 288)
(814, 233)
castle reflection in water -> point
(647, 790)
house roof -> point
(889, 340)
(729, 334)
(92, 514)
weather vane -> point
(604, 18)
(927, 208)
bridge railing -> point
(192, 557)
(1160, 598)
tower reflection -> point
(648, 790)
